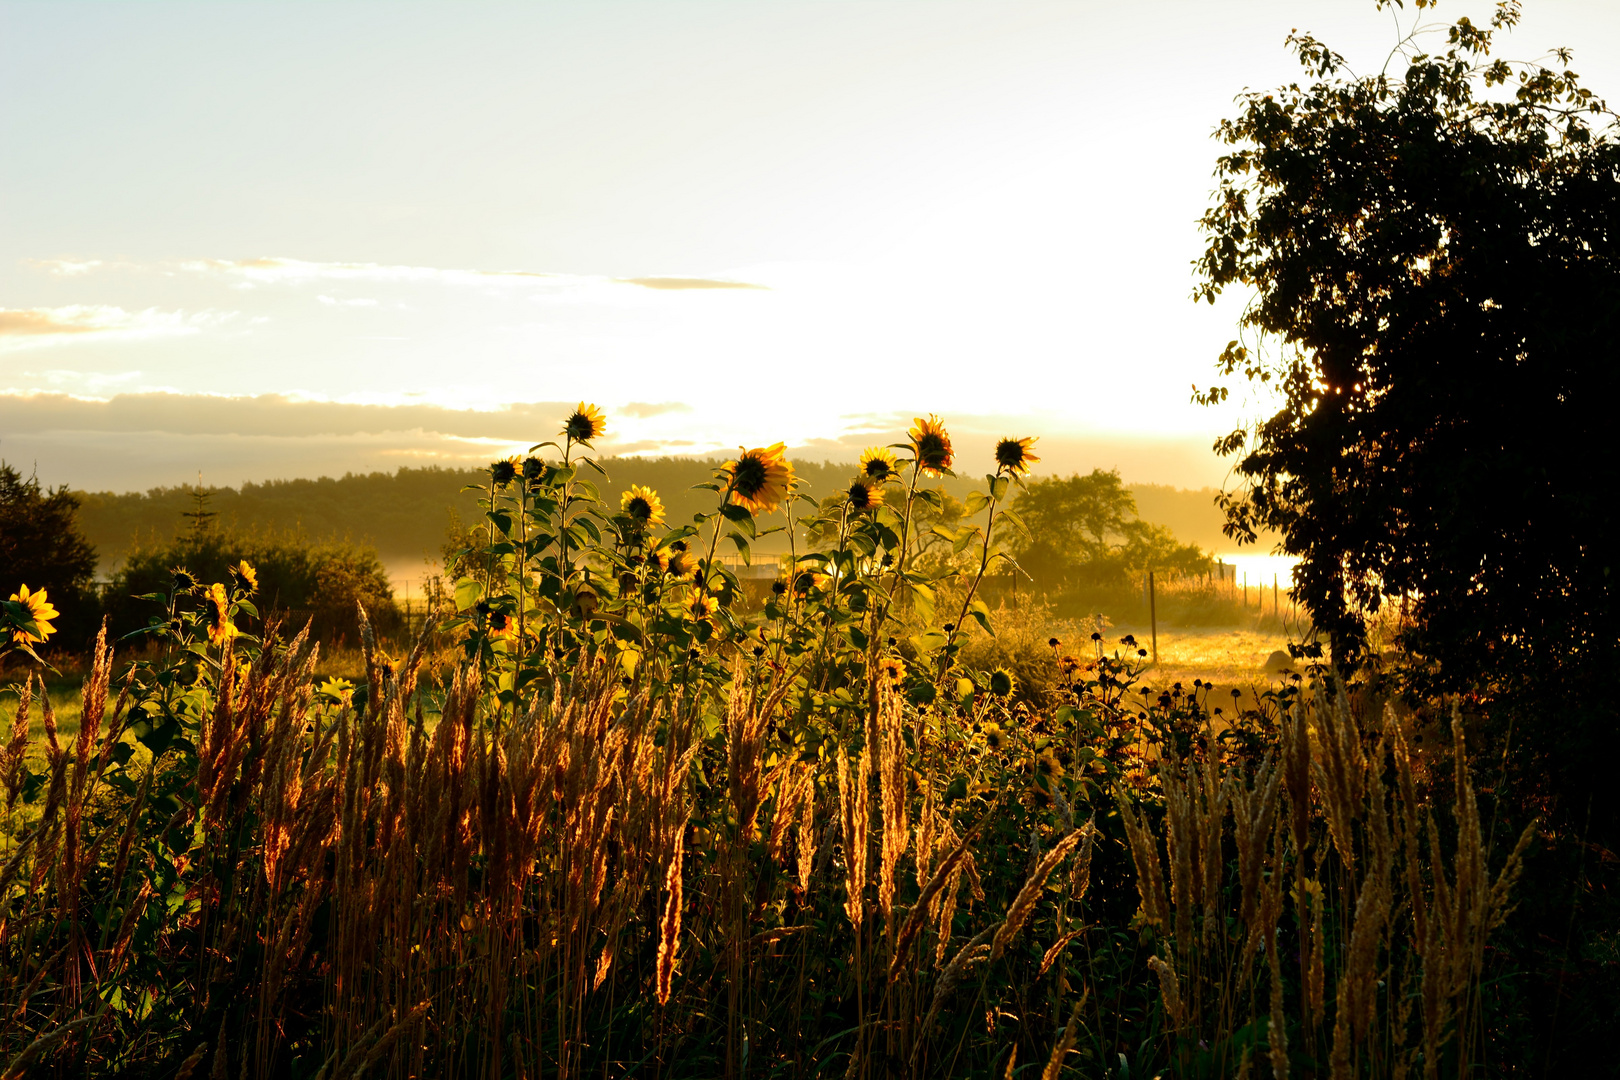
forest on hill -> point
(404, 514)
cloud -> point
(66, 267)
(675, 283)
(358, 301)
(641, 410)
(21, 327)
(279, 271)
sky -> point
(295, 239)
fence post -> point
(1153, 616)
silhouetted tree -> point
(41, 546)
(1434, 262)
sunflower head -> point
(806, 580)
(245, 576)
(994, 737)
(533, 469)
(892, 670)
(40, 612)
(864, 494)
(877, 463)
(760, 478)
(642, 506)
(1001, 682)
(678, 561)
(184, 582)
(700, 606)
(931, 444)
(585, 423)
(501, 625)
(503, 472)
(1048, 766)
(1014, 456)
(220, 627)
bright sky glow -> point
(786, 221)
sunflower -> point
(642, 505)
(994, 737)
(931, 444)
(501, 625)
(184, 582)
(877, 463)
(805, 580)
(677, 561)
(247, 578)
(864, 494)
(760, 478)
(1001, 682)
(892, 670)
(40, 612)
(700, 606)
(585, 423)
(1014, 456)
(503, 472)
(220, 628)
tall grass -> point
(650, 835)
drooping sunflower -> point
(247, 578)
(700, 606)
(585, 423)
(503, 472)
(864, 494)
(806, 580)
(220, 627)
(1002, 682)
(184, 582)
(642, 506)
(760, 478)
(877, 463)
(1015, 456)
(931, 444)
(678, 562)
(40, 612)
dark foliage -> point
(43, 547)
(297, 578)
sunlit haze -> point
(725, 222)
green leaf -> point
(981, 612)
(742, 547)
(468, 590)
(975, 502)
(998, 487)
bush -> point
(301, 579)
(42, 547)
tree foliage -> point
(1435, 291)
(1084, 530)
(42, 546)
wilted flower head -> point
(220, 628)
(585, 423)
(503, 472)
(760, 478)
(642, 505)
(864, 494)
(931, 444)
(40, 612)
(877, 463)
(247, 578)
(1014, 456)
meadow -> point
(615, 808)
